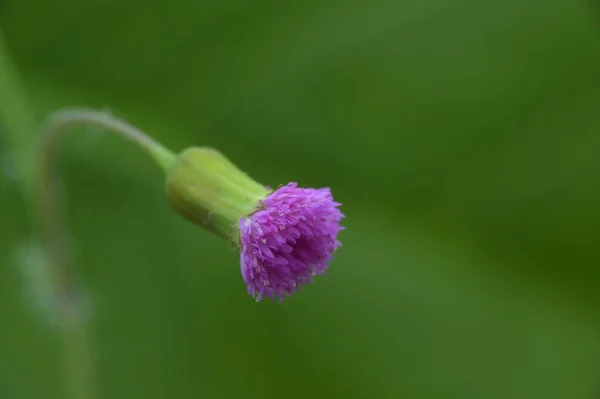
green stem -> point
(19, 128)
(61, 121)
(78, 359)
(64, 279)
(58, 124)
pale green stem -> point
(18, 128)
(68, 289)
(53, 225)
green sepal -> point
(209, 190)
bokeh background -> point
(462, 137)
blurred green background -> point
(462, 137)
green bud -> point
(206, 188)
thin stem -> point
(62, 120)
(78, 359)
(68, 291)
(19, 126)
(18, 129)
(50, 212)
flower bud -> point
(285, 237)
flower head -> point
(289, 240)
(285, 236)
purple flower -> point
(285, 237)
(288, 240)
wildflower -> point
(285, 236)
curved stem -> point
(50, 214)
(69, 300)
